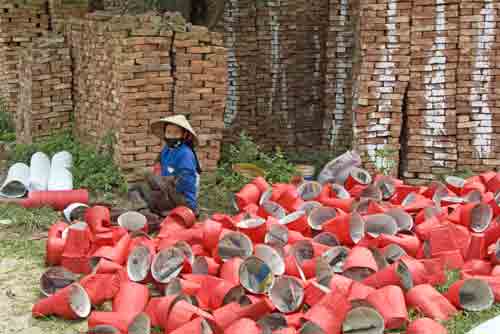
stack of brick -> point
(94, 87)
(200, 88)
(305, 75)
(275, 79)
(275, 59)
(61, 10)
(382, 78)
(20, 23)
(431, 145)
(477, 101)
(131, 71)
(338, 75)
(241, 42)
(45, 103)
(146, 95)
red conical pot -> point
(209, 284)
(107, 267)
(229, 270)
(390, 302)
(98, 218)
(435, 271)
(94, 286)
(359, 291)
(55, 244)
(227, 314)
(69, 303)
(249, 194)
(410, 243)
(290, 199)
(124, 322)
(390, 275)
(471, 295)
(117, 254)
(425, 326)
(493, 183)
(158, 309)
(493, 282)
(255, 229)
(329, 313)
(359, 258)
(345, 204)
(243, 325)
(476, 216)
(477, 267)
(418, 204)
(357, 176)
(416, 268)
(261, 183)
(183, 312)
(313, 292)
(349, 229)
(477, 247)
(77, 248)
(195, 326)
(131, 299)
(183, 215)
(430, 302)
(57, 200)
(211, 234)
(340, 284)
(402, 191)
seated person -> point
(178, 184)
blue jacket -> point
(182, 163)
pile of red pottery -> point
(348, 257)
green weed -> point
(27, 220)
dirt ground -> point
(21, 265)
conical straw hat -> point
(157, 128)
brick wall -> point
(340, 58)
(432, 148)
(419, 77)
(45, 103)
(20, 23)
(277, 55)
(477, 99)
(382, 77)
(130, 71)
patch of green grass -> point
(27, 220)
(32, 250)
(7, 129)
(465, 321)
(214, 197)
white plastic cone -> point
(16, 183)
(39, 171)
(60, 177)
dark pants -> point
(159, 194)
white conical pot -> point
(16, 183)
(39, 171)
(62, 159)
(60, 179)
